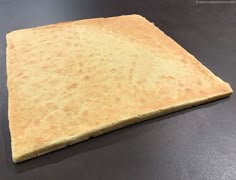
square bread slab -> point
(74, 80)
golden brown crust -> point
(70, 81)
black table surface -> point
(197, 143)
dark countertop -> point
(197, 143)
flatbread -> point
(71, 81)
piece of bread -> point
(71, 81)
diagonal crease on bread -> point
(74, 80)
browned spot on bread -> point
(199, 82)
(86, 77)
(55, 107)
(168, 77)
(72, 86)
(224, 88)
(10, 45)
(163, 90)
(40, 140)
(85, 113)
(180, 83)
(36, 85)
(81, 64)
(44, 67)
(113, 70)
(25, 50)
(141, 100)
(36, 122)
(70, 37)
(66, 108)
(67, 43)
(53, 82)
(141, 81)
(94, 67)
(188, 90)
(81, 71)
(20, 74)
(59, 54)
(30, 62)
(50, 106)
(131, 70)
(117, 99)
(202, 92)
(119, 85)
(51, 126)
(47, 66)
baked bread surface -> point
(74, 80)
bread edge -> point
(70, 140)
